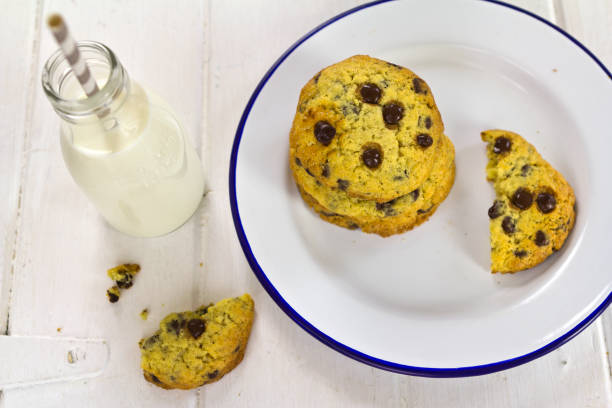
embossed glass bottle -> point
(124, 146)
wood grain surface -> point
(205, 57)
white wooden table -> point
(205, 57)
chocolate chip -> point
(414, 194)
(126, 281)
(203, 310)
(155, 379)
(298, 162)
(237, 348)
(420, 211)
(316, 77)
(309, 173)
(541, 239)
(112, 297)
(328, 214)
(394, 65)
(508, 225)
(196, 327)
(522, 198)
(502, 145)
(546, 202)
(419, 85)
(525, 170)
(372, 157)
(125, 284)
(428, 122)
(496, 209)
(392, 113)
(424, 140)
(213, 374)
(175, 326)
(325, 170)
(387, 208)
(353, 226)
(324, 132)
(370, 93)
(398, 178)
(150, 341)
(520, 253)
(343, 184)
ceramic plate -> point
(424, 302)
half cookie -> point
(533, 212)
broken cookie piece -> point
(533, 212)
(191, 349)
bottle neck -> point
(65, 94)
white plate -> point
(424, 302)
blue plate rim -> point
(319, 335)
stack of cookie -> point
(367, 148)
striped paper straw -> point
(71, 52)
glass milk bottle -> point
(124, 146)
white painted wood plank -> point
(284, 366)
(542, 8)
(18, 34)
(64, 248)
(591, 23)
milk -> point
(135, 164)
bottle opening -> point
(64, 91)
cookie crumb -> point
(59, 329)
(70, 357)
(554, 70)
(113, 294)
(144, 315)
(123, 276)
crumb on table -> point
(113, 294)
(123, 277)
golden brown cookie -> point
(392, 217)
(367, 127)
(191, 349)
(534, 208)
(338, 201)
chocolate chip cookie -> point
(392, 217)
(366, 127)
(191, 349)
(533, 212)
